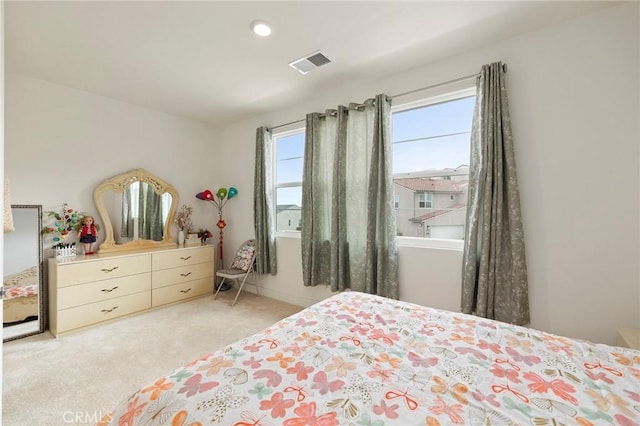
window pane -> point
(288, 213)
(431, 154)
(289, 158)
(447, 152)
(439, 119)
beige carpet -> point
(80, 377)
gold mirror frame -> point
(119, 184)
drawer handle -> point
(107, 311)
(185, 291)
(109, 270)
(185, 275)
(186, 258)
(106, 290)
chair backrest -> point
(245, 256)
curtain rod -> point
(433, 86)
(410, 92)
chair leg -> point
(257, 284)
(240, 289)
(219, 287)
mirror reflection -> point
(137, 209)
(23, 303)
(138, 212)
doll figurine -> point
(88, 234)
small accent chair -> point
(240, 268)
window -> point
(425, 200)
(431, 154)
(289, 155)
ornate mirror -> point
(24, 301)
(137, 209)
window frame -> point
(430, 98)
(289, 131)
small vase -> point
(181, 237)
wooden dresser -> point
(87, 290)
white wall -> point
(574, 104)
(61, 143)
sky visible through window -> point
(424, 138)
(433, 137)
(290, 158)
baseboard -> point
(294, 299)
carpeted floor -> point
(79, 378)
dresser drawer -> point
(82, 294)
(182, 274)
(183, 257)
(80, 316)
(84, 272)
(176, 292)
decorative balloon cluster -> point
(222, 196)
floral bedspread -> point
(357, 359)
(22, 284)
(22, 291)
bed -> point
(358, 359)
(21, 296)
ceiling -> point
(200, 60)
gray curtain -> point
(494, 275)
(348, 222)
(266, 260)
(382, 254)
(150, 213)
(126, 223)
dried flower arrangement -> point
(183, 218)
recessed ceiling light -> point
(261, 28)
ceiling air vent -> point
(309, 62)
